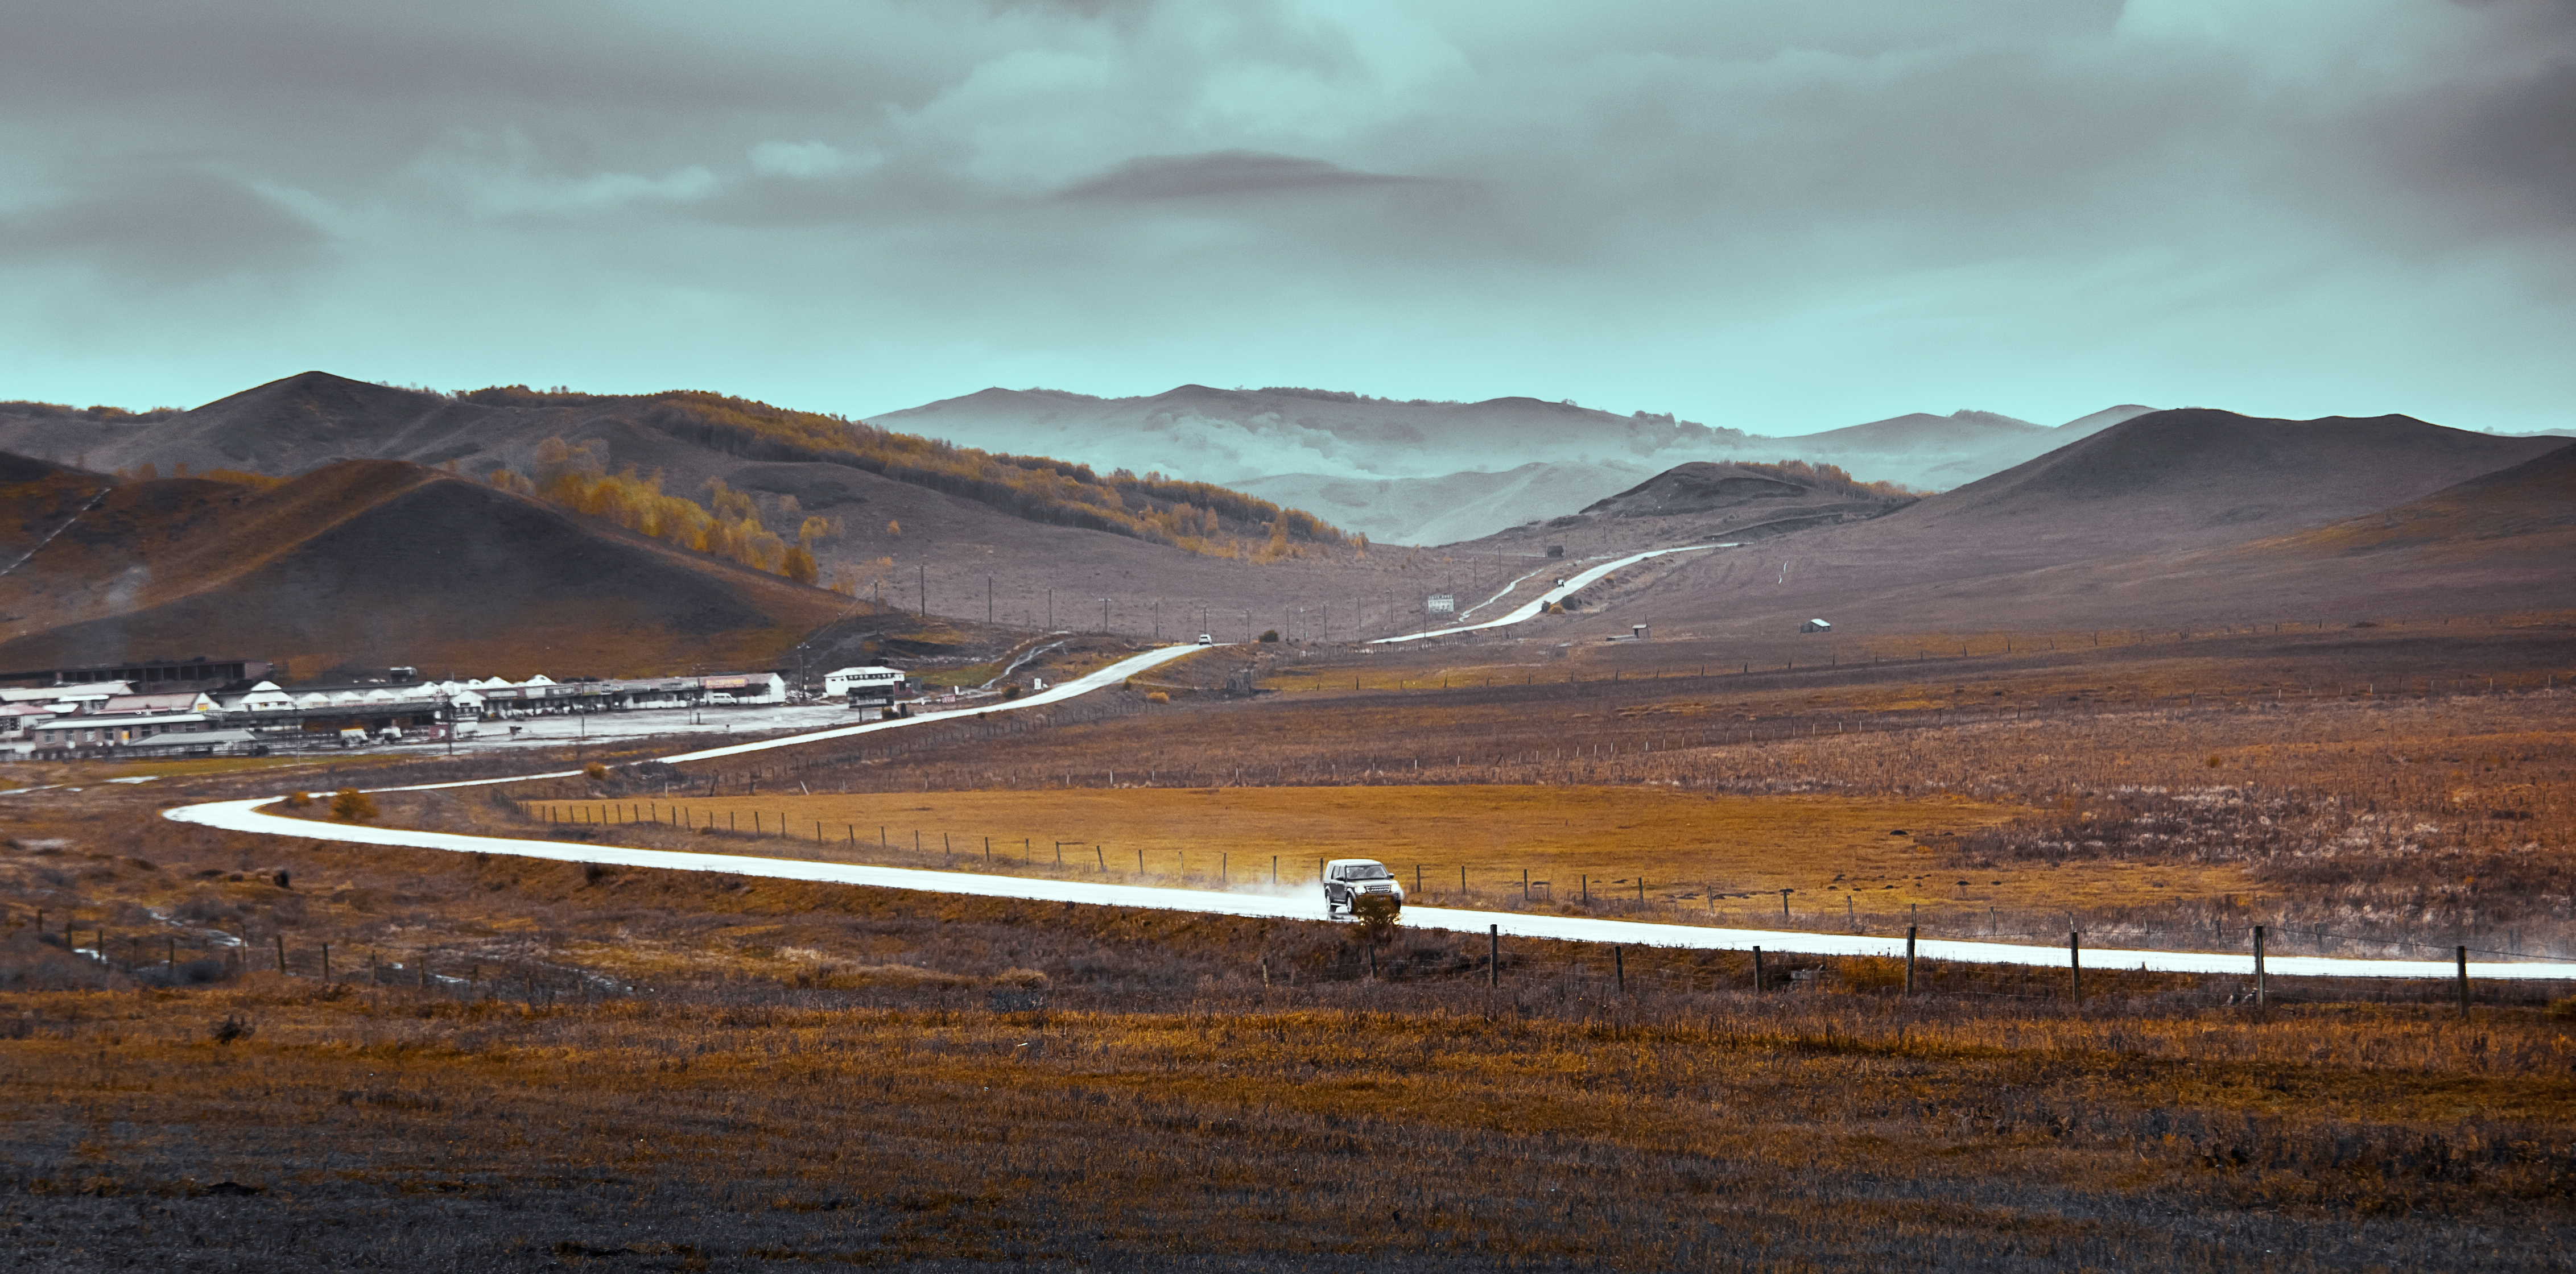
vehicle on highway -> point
(1347, 880)
(1206, 639)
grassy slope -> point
(377, 562)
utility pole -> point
(1247, 628)
(923, 575)
(1104, 614)
(988, 599)
(1050, 610)
(1158, 619)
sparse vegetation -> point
(513, 1052)
(349, 805)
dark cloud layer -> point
(1228, 172)
(170, 228)
(1777, 215)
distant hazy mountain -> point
(1451, 507)
(1217, 435)
(1419, 472)
(1937, 453)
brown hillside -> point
(382, 562)
(2171, 519)
(897, 538)
(2201, 477)
(37, 498)
(1747, 493)
(2532, 503)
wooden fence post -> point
(1909, 959)
(1619, 968)
(1493, 955)
(1757, 968)
(281, 950)
(2075, 964)
(2259, 988)
(2463, 954)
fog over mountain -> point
(1422, 472)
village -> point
(201, 707)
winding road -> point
(1297, 904)
(1528, 610)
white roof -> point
(55, 694)
(865, 672)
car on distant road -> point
(1206, 639)
(1347, 880)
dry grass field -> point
(632, 1069)
(522, 1064)
(2387, 791)
(1869, 863)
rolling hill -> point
(371, 563)
(2175, 517)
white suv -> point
(1348, 879)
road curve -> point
(1571, 586)
(1301, 904)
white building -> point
(872, 682)
(264, 697)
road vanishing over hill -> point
(1530, 609)
(1291, 904)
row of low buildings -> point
(166, 717)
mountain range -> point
(1423, 472)
(331, 523)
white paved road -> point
(1295, 904)
(1572, 585)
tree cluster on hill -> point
(1828, 475)
(102, 415)
(576, 478)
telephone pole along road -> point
(1293, 904)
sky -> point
(1773, 215)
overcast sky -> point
(1779, 215)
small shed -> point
(1815, 626)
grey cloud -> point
(166, 229)
(2516, 147)
(1226, 172)
(1694, 207)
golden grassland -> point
(1724, 855)
(2309, 788)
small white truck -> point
(1347, 880)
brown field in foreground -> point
(515, 1063)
